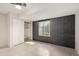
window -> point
(44, 28)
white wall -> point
(77, 32)
(3, 31)
(11, 30)
(18, 31)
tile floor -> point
(35, 48)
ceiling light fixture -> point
(19, 5)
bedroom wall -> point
(77, 32)
(3, 30)
(18, 31)
(15, 30)
(62, 31)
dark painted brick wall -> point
(62, 30)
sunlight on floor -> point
(30, 43)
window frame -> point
(44, 28)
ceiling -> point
(37, 11)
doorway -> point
(27, 31)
